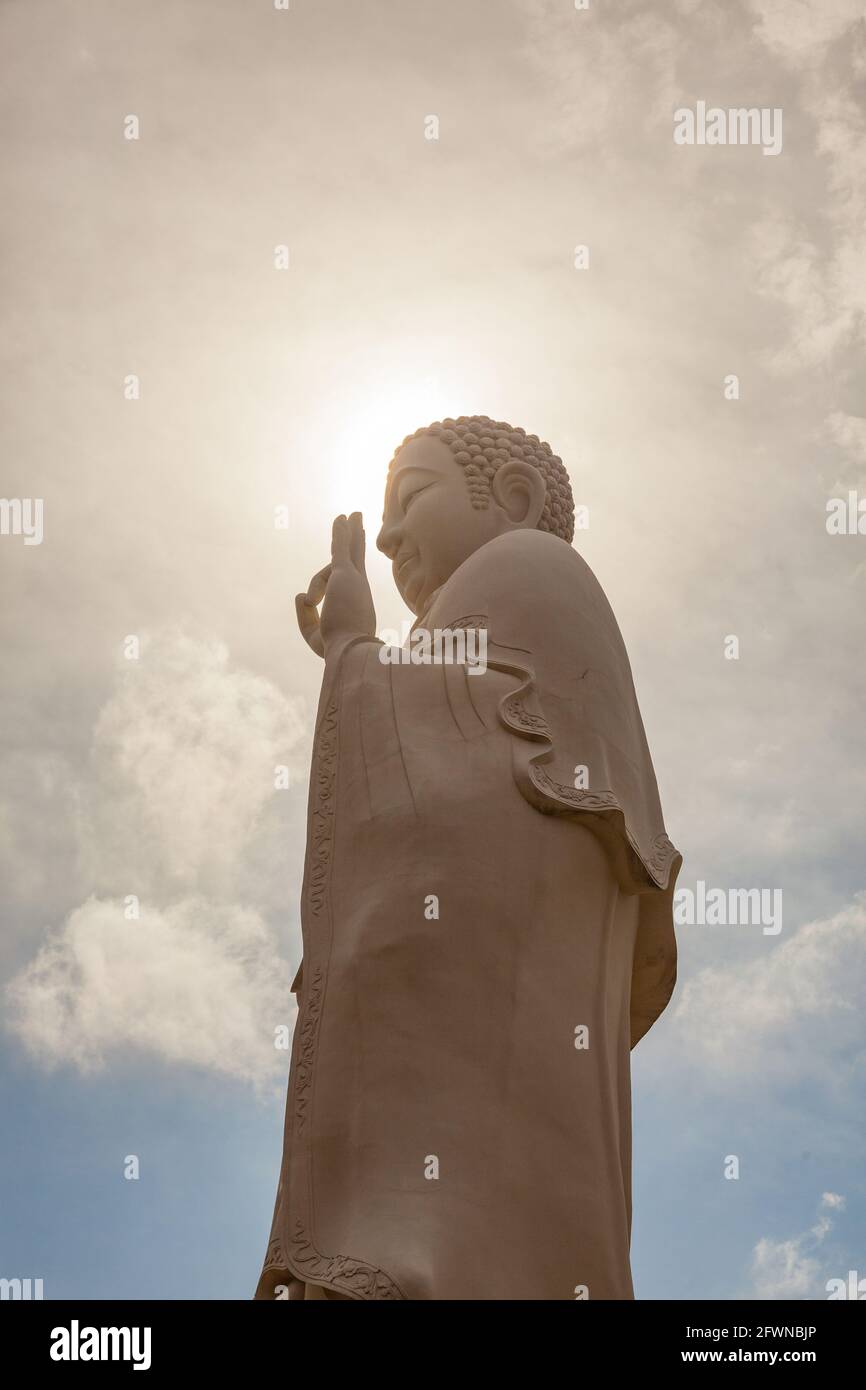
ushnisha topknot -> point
(482, 445)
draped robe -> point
(458, 1121)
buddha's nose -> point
(388, 539)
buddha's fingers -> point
(317, 586)
(356, 540)
(308, 622)
(340, 541)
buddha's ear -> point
(520, 491)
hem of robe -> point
(280, 1270)
(297, 1290)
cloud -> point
(790, 269)
(801, 31)
(198, 983)
(793, 1269)
(844, 465)
(184, 753)
(178, 807)
(819, 274)
(614, 72)
(849, 433)
(833, 1200)
(794, 1013)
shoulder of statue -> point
(529, 547)
(526, 564)
(534, 592)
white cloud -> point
(781, 1269)
(179, 808)
(183, 764)
(800, 31)
(198, 983)
(793, 1013)
(614, 73)
(820, 275)
(791, 270)
(833, 1200)
(792, 1269)
(849, 432)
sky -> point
(153, 677)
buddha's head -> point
(456, 485)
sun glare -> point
(377, 418)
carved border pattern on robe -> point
(307, 1050)
(275, 1259)
(477, 620)
(582, 800)
(322, 832)
(664, 852)
(341, 1272)
(516, 716)
(652, 870)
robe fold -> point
(487, 930)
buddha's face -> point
(430, 526)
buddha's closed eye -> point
(410, 497)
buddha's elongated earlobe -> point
(519, 490)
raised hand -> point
(342, 589)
